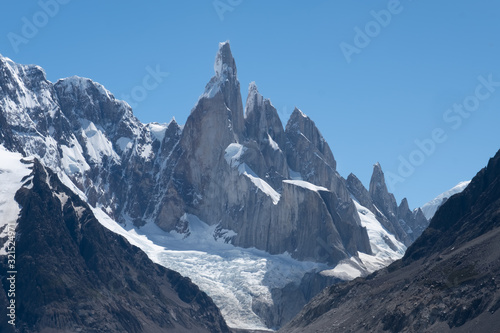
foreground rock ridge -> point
(77, 276)
(446, 282)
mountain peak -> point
(379, 193)
(224, 61)
(297, 111)
(254, 99)
(378, 178)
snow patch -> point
(12, 171)
(386, 249)
(430, 208)
(124, 143)
(273, 143)
(72, 158)
(261, 184)
(306, 185)
(233, 154)
(97, 143)
(157, 130)
(381, 241)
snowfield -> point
(384, 246)
(230, 275)
(12, 171)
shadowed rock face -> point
(404, 224)
(446, 282)
(75, 275)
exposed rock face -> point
(275, 188)
(446, 282)
(75, 275)
(290, 300)
(400, 221)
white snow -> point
(379, 237)
(383, 254)
(82, 83)
(157, 130)
(261, 184)
(222, 73)
(147, 151)
(306, 185)
(72, 159)
(231, 276)
(233, 153)
(12, 171)
(273, 143)
(430, 208)
(124, 143)
(97, 143)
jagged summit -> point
(299, 112)
(224, 61)
(254, 99)
(225, 79)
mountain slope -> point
(75, 275)
(447, 280)
(430, 208)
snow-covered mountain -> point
(244, 206)
(430, 208)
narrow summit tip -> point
(224, 61)
(252, 88)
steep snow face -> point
(383, 244)
(25, 89)
(430, 208)
(230, 275)
(13, 168)
(385, 247)
(97, 143)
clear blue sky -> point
(395, 90)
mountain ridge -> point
(255, 182)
